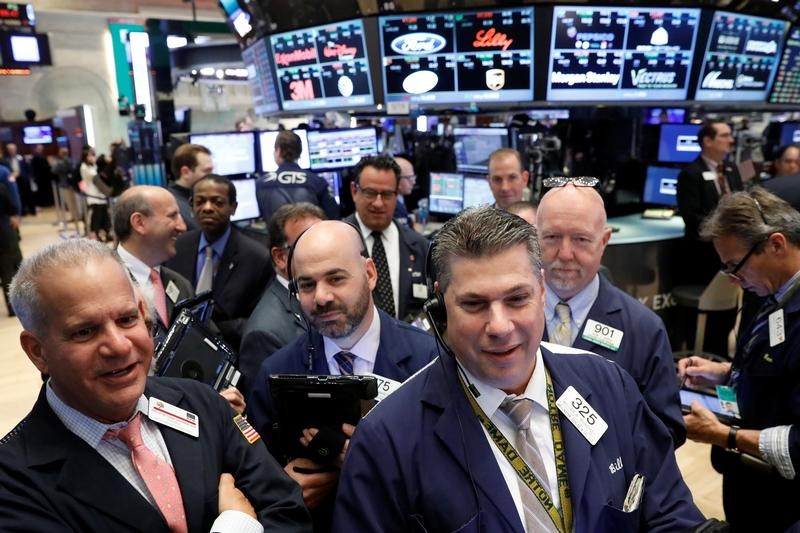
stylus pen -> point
(685, 374)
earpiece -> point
(434, 307)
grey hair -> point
(479, 232)
(752, 217)
(135, 201)
(25, 291)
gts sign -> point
(287, 177)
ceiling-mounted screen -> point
(260, 75)
(621, 53)
(238, 18)
(741, 57)
(464, 57)
(24, 49)
(323, 67)
(786, 89)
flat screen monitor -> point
(334, 180)
(446, 193)
(664, 115)
(677, 143)
(24, 49)
(790, 133)
(325, 67)
(247, 205)
(233, 154)
(458, 57)
(741, 57)
(473, 146)
(661, 186)
(266, 142)
(621, 53)
(238, 18)
(37, 135)
(330, 149)
(786, 89)
(477, 191)
(258, 61)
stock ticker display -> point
(259, 74)
(601, 54)
(480, 57)
(786, 89)
(323, 67)
(741, 57)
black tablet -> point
(322, 402)
(710, 401)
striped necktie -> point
(563, 330)
(345, 361)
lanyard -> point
(562, 521)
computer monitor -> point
(247, 205)
(678, 143)
(446, 193)
(266, 142)
(786, 89)
(233, 153)
(37, 135)
(661, 186)
(477, 191)
(331, 149)
(334, 180)
(790, 133)
(473, 146)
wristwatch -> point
(731, 447)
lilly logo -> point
(418, 43)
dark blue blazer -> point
(403, 350)
(786, 187)
(420, 460)
(644, 352)
(51, 480)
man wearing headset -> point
(333, 279)
(445, 452)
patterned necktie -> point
(159, 296)
(519, 412)
(345, 361)
(722, 181)
(563, 333)
(156, 473)
(206, 278)
(384, 297)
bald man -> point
(404, 187)
(334, 279)
(507, 178)
(585, 311)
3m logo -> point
(302, 90)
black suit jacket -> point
(786, 187)
(413, 250)
(275, 322)
(242, 276)
(697, 197)
(51, 480)
(185, 289)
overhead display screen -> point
(619, 53)
(323, 67)
(741, 57)
(341, 148)
(786, 89)
(447, 58)
(259, 73)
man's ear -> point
(34, 349)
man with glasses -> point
(586, 311)
(398, 252)
(404, 188)
(276, 320)
(757, 237)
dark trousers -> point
(10, 259)
(99, 218)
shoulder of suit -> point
(412, 331)
(288, 357)
(626, 300)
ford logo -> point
(418, 43)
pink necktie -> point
(157, 475)
(159, 296)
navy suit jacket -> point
(413, 250)
(51, 480)
(644, 352)
(403, 350)
(786, 187)
(243, 274)
(275, 322)
(420, 461)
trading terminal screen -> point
(233, 154)
(266, 140)
(786, 89)
(678, 143)
(473, 146)
(331, 149)
(661, 186)
(258, 62)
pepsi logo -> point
(418, 43)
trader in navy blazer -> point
(68, 466)
(334, 281)
(276, 320)
(445, 452)
(597, 316)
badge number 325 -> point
(582, 415)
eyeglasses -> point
(372, 194)
(410, 177)
(732, 271)
(578, 181)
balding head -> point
(334, 280)
(573, 233)
(407, 176)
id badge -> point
(727, 400)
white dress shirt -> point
(141, 273)
(490, 399)
(391, 244)
(365, 351)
